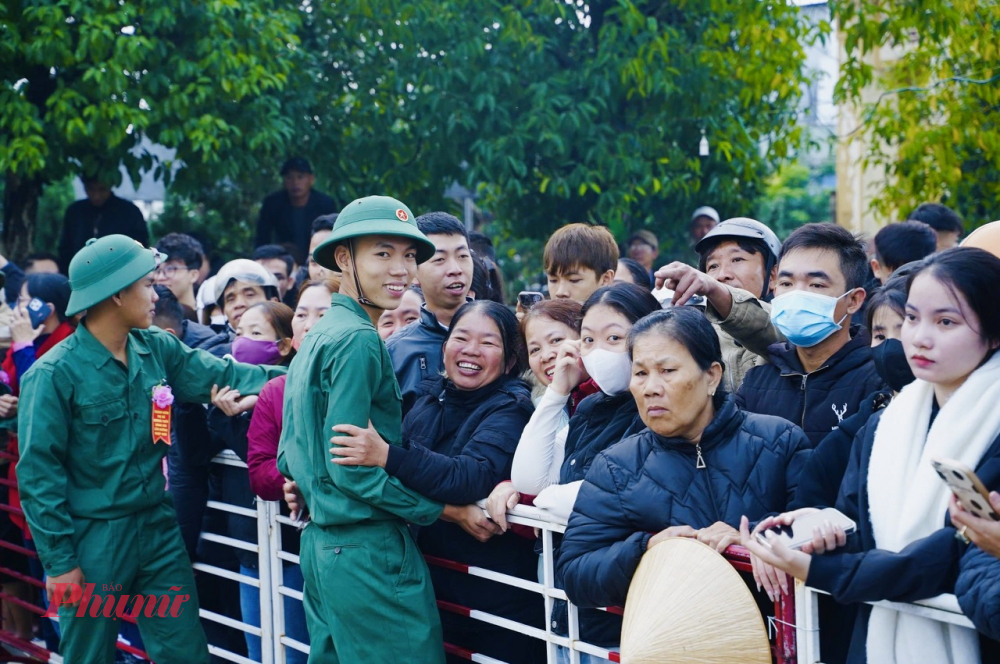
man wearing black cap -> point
(287, 215)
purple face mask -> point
(256, 351)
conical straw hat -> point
(687, 604)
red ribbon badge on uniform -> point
(163, 399)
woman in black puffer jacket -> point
(698, 467)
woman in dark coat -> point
(905, 548)
(698, 466)
(459, 440)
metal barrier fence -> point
(264, 514)
(943, 608)
(784, 648)
(794, 625)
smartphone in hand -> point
(528, 299)
(967, 487)
(800, 532)
(38, 311)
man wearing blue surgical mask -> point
(823, 372)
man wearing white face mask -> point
(823, 372)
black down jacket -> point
(862, 573)
(647, 483)
(818, 401)
(457, 446)
(978, 591)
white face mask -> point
(611, 371)
(219, 319)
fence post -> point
(806, 624)
(264, 528)
(277, 580)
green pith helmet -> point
(106, 266)
(373, 215)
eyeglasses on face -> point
(169, 270)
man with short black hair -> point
(321, 229)
(101, 213)
(182, 268)
(823, 372)
(899, 244)
(41, 262)
(445, 279)
(278, 262)
(287, 215)
(945, 222)
(169, 316)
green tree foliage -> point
(83, 81)
(935, 124)
(792, 197)
(556, 111)
(553, 111)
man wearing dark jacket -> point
(823, 372)
(100, 213)
(445, 279)
(287, 215)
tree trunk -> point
(20, 210)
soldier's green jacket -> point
(85, 430)
(342, 374)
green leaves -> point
(84, 81)
(931, 117)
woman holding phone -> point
(906, 547)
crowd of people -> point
(368, 369)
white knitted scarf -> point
(907, 500)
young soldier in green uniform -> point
(368, 596)
(90, 473)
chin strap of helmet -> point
(769, 264)
(354, 271)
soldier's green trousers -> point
(368, 596)
(144, 554)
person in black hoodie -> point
(458, 443)
(823, 372)
(697, 467)
(906, 548)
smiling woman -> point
(482, 345)
(459, 441)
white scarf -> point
(907, 500)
